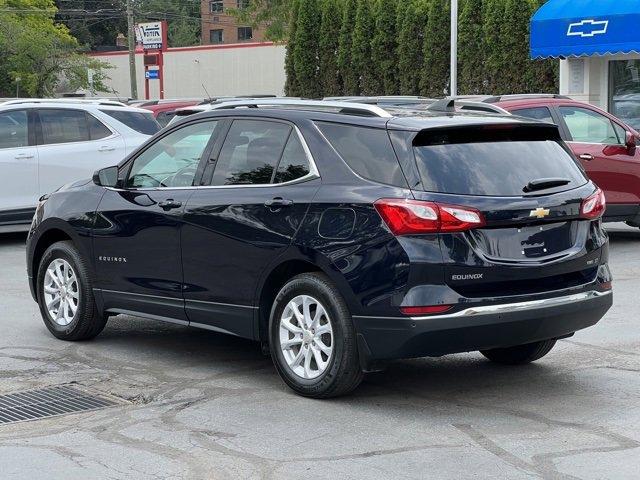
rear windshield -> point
(140, 122)
(493, 163)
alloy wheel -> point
(306, 337)
(61, 292)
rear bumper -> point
(480, 328)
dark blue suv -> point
(338, 235)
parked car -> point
(340, 238)
(46, 144)
(163, 112)
(605, 145)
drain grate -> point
(48, 402)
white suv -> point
(45, 144)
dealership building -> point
(598, 44)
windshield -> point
(501, 168)
(140, 122)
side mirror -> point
(106, 177)
(630, 142)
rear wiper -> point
(544, 183)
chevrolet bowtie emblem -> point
(539, 212)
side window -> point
(250, 152)
(172, 161)
(63, 126)
(621, 132)
(14, 131)
(537, 113)
(588, 126)
(97, 129)
(367, 151)
(294, 163)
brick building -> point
(219, 27)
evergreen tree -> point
(291, 87)
(545, 73)
(471, 54)
(517, 70)
(350, 77)
(305, 49)
(329, 71)
(496, 59)
(434, 81)
(384, 45)
(361, 50)
(412, 22)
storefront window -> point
(624, 91)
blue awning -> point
(565, 28)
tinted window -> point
(13, 129)
(588, 126)
(164, 118)
(367, 151)
(492, 166)
(294, 163)
(250, 152)
(63, 126)
(140, 122)
(97, 129)
(172, 161)
(537, 113)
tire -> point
(520, 354)
(86, 321)
(326, 374)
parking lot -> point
(195, 404)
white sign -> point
(576, 75)
(150, 35)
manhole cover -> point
(48, 402)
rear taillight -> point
(405, 217)
(594, 206)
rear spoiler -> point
(484, 133)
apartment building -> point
(219, 27)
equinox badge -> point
(539, 212)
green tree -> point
(305, 49)
(368, 83)
(40, 52)
(434, 81)
(517, 74)
(384, 45)
(329, 72)
(412, 23)
(471, 52)
(545, 73)
(350, 77)
(496, 59)
(291, 87)
(275, 15)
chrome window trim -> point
(506, 307)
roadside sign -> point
(152, 74)
(150, 35)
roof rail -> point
(523, 96)
(349, 108)
(83, 101)
(452, 104)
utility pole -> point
(453, 90)
(131, 35)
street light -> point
(18, 80)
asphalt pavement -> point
(193, 404)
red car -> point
(164, 111)
(605, 145)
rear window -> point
(140, 122)
(493, 162)
(367, 151)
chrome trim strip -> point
(506, 307)
(204, 326)
(222, 304)
(148, 316)
(317, 105)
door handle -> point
(278, 202)
(106, 148)
(169, 204)
(24, 156)
(586, 156)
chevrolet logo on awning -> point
(587, 28)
